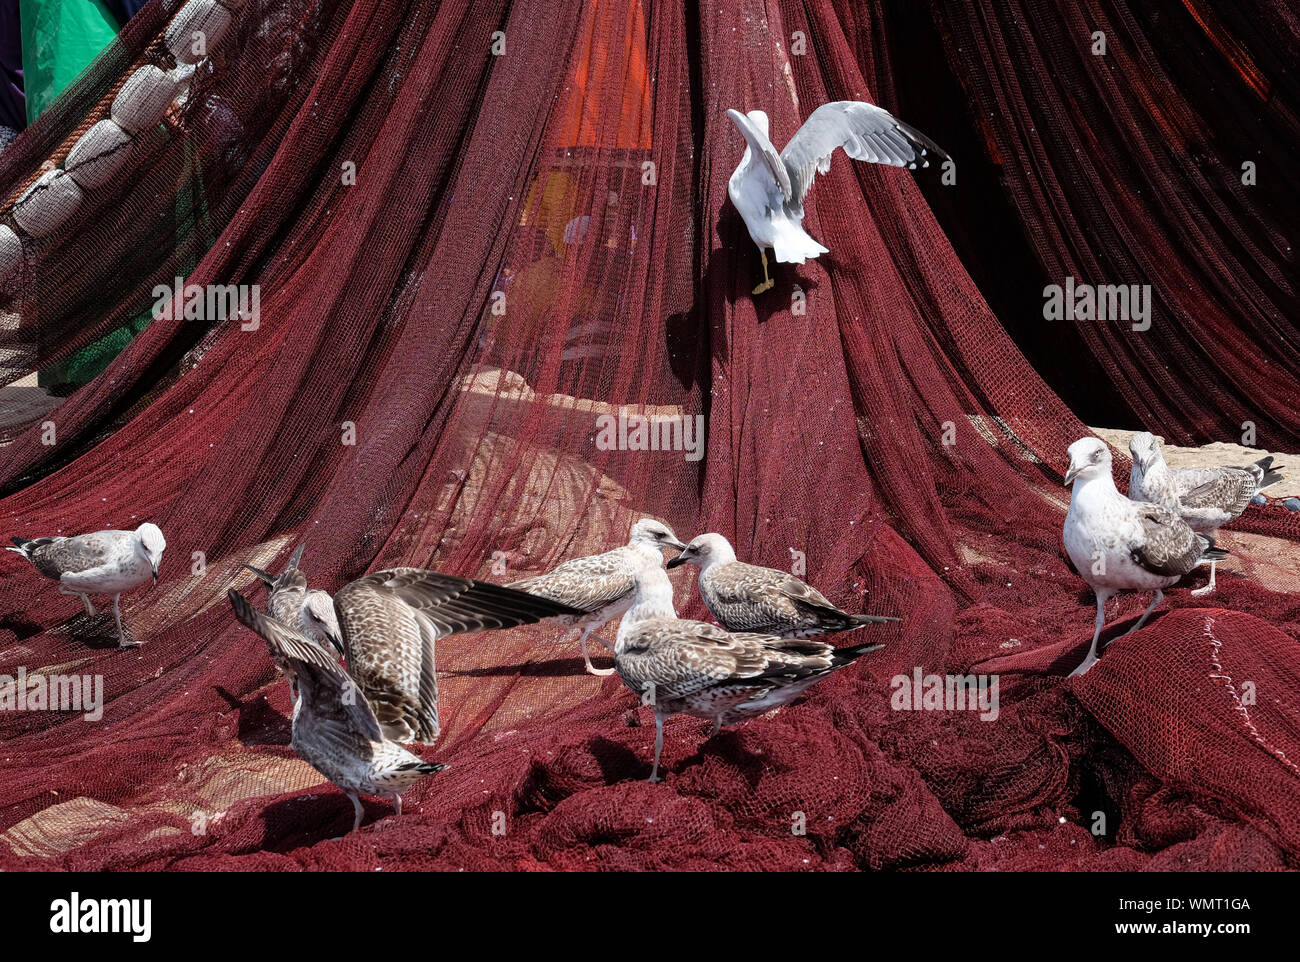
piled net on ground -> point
(891, 432)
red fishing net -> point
(479, 230)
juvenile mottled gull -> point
(694, 668)
(1206, 498)
(103, 563)
(745, 597)
(768, 189)
(1117, 544)
(391, 620)
(335, 731)
(291, 602)
(602, 585)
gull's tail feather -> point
(27, 546)
(795, 246)
(264, 576)
(873, 619)
(296, 558)
(1209, 551)
(424, 768)
(1265, 473)
(845, 656)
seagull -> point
(694, 668)
(602, 585)
(768, 189)
(291, 602)
(335, 730)
(1206, 498)
(1117, 544)
(745, 597)
(390, 622)
(102, 563)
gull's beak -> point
(1071, 474)
(676, 544)
(335, 640)
(155, 574)
(681, 559)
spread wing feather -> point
(864, 131)
(311, 660)
(391, 621)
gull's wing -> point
(747, 597)
(864, 131)
(761, 147)
(1228, 490)
(329, 681)
(681, 658)
(390, 622)
(55, 557)
(1169, 546)
(589, 584)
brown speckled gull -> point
(335, 730)
(689, 667)
(745, 597)
(602, 585)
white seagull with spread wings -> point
(768, 188)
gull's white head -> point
(1145, 448)
(756, 117)
(706, 550)
(1089, 458)
(319, 618)
(150, 544)
(654, 533)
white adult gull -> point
(602, 585)
(745, 597)
(1117, 544)
(768, 188)
(1206, 498)
(102, 563)
(691, 667)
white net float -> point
(48, 204)
(143, 100)
(197, 30)
(11, 252)
(102, 151)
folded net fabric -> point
(477, 230)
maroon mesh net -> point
(539, 236)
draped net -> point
(539, 236)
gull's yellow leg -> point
(767, 281)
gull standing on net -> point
(291, 602)
(1206, 498)
(601, 586)
(694, 668)
(768, 189)
(745, 597)
(102, 563)
(1117, 544)
(335, 730)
